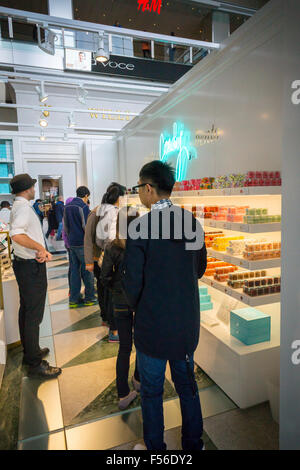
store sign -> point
(141, 68)
(150, 5)
(180, 143)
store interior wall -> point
(238, 90)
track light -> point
(101, 54)
(71, 120)
(43, 122)
(82, 94)
(41, 92)
(42, 136)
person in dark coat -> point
(111, 278)
(52, 222)
(37, 209)
(59, 214)
(165, 256)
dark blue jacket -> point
(160, 279)
(75, 217)
(59, 211)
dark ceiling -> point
(186, 18)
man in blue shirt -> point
(75, 218)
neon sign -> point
(180, 142)
(150, 5)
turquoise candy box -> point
(250, 326)
(205, 299)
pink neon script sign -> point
(150, 5)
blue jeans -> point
(78, 272)
(152, 375)
(59, 230)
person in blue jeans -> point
(75, 217)
(164, 258)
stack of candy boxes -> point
(213, 264)
(262, 250)
(230, 213)
(259, 216)
(250, 326)
(263, 178)
(205, 299)
(221, 243)
(194, 184)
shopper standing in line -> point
(106, 232)
(75, 218)
(93, 249)
(111, 276)
(37, 209)
(67, 245)
(59, 214)
(5, 212)
(30, 257)
(52, 222)
(160, 278)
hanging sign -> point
(179, 142)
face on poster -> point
(78, 60)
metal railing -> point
(21, 27)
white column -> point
(61, 8)
(290, 314)
(220, 26)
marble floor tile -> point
(80, 385)
(70, 345)
(40, 408)
(58, 296)
(57, 263)
(64, 318)
(93, 320)
(57, 283)
(102, 349)
(46, 325)
(52, 441)
(214, 401)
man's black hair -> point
(5, 204)
(160, 174)
(82, 191)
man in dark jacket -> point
(75, 217)
(59, 214)
(161, 269)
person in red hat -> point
(29, 264)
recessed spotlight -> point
(42, 136)
(101, 54)
(129, 19)
(43, 122)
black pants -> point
(32, 281)
(124, 323)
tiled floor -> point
(79, 410)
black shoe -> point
(44, 371)
(43, 353)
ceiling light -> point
(43, 121)
(41, 92)
(82, 94)
(101, 54)
(71, 120)
(42, 136)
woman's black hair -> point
(113, 192)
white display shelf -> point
(247, 191)
(244, 263)
(238, 294)
(241, 371)
(249, 228)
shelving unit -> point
(249, 228)
(244, 263)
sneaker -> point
(78, 304)
(136, 384)
(88, 303)
(113, 338)
(139, 447)
(125, 402)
